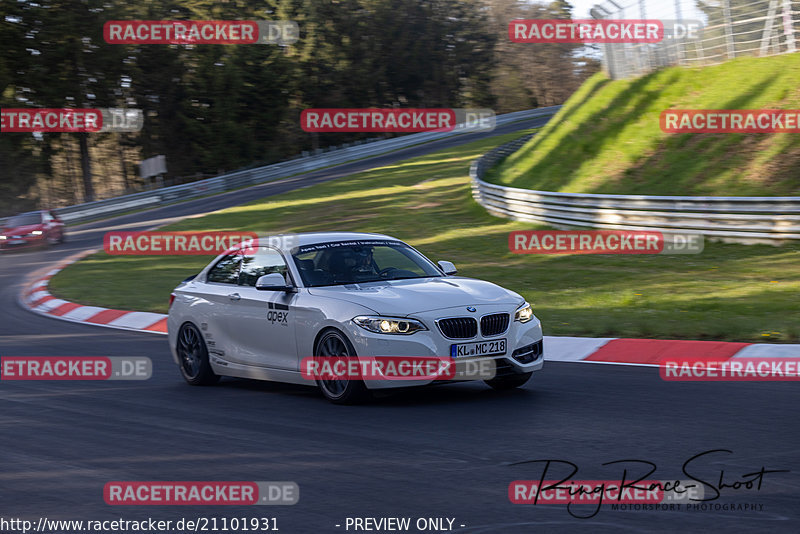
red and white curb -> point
(649, 352)
(38, 299)
(616, 351)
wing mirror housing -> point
(273, 282)
(447, 267)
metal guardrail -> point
(734, 219)
(244, 178)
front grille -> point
(458, 327)
(492, 325)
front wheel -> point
(55, 240)
(193, 357)
(333, 344)
(502, 383)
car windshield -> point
(357, 262)
(24, 220)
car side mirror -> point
(447, 267)
(273, 282)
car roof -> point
(37, 212)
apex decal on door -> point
(276, 316)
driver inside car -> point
(353, 264)
(363, 261)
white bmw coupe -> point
(259, 309)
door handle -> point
(234, 296)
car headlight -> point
(524, 313)
(389, 325)
(3, 237)
(36, 232)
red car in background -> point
(31, 229)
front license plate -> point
(481, 348)
(16, 241)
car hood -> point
(21, 230)
(406, 297)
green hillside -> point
(607, 139)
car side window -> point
(226, 271)
(264, 261)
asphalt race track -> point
(438, 452)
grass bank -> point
(607, 138)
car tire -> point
(193, 357)
(331, 342)
(502, 383)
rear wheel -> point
(333, 343)
(510, 381)
(193, 357)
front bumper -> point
(21, 242)
(523, 346)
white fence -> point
(227, 182)
(731, 28)
(735, 219)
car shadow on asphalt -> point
(440, 394)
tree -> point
(533, 75)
